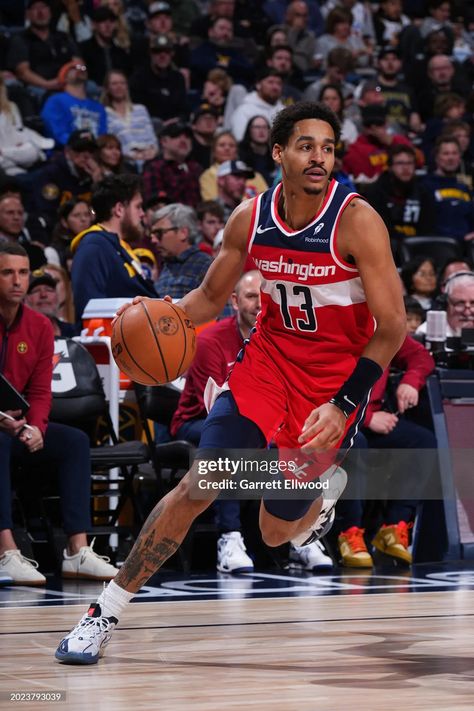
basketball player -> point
(332, 318)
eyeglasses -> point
(462, 305)
(159, 232)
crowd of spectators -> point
(178, 97)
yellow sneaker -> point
(354, 553)
(393, 540)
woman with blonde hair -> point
(224, 147)
(130, 122)
(20, 147)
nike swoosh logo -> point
(261, 230)
(349, 401)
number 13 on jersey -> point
(305, 305)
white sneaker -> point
(231, 554)
(310, 557)
(86, 642)
(20, 570)
(87, 564)
(337, 483)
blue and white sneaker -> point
(85, 643)
(337, 483)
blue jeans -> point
(66, 449)
(405, 435)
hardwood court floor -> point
(342, 652)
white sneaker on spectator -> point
(337, 479)
(21, 570)
(87, 564)
(310, 557)
(232, 555)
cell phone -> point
(6, 416)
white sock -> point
(113, 600)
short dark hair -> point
(210, 207)
(285, 120)
(114, 189)
(14, 249)
(412, 306)
(399, 148)
(441, 140)
(411, 267)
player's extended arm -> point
(363, 236)
(208, 300)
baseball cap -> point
(103, 13)
(175, 129)
(387, 49)
(38, 277)
(373, 114)
(159, 7)
(161, 43)
(234, 167)
(82, 140)
(203, 110)
(66, 68)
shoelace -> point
(92, 626)
(105, 558)
(401, 530)
(23, 558)
(355, 538)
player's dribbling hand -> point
(136, 300)
(323, 428)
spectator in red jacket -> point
(386, 429)
(367, 157)
(26, 360)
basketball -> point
(153, 342)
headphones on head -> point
(441, 301)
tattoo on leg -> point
(150, 551)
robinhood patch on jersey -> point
(50, 191)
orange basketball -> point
(153, 342)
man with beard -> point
(454, 213)
(173, 171)
(399, 98)
(400, 199)
(104, 265)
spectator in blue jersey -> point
(453, 199)
(70, 110)
(104, 265)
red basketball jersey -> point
(314, 312)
